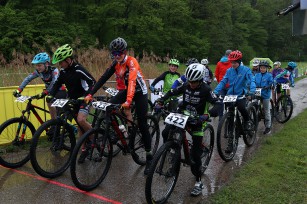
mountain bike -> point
(96, 142)
(230, 128)
(165, 166)
(283, 105)
(16, 134)
(50, 157)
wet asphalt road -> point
(125, 181)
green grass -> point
(276, 174)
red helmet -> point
(235, 55)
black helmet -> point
(118, 44)
(264, 63)
(191, 61)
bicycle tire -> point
(207, 146)
(250, 137)
(14, 154)
(49, 158)
(222, 137)
(283, 104)
(165, 166)
(272, 111)
(90, 174)
(136, 144)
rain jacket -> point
(264, 80)
(221, 69)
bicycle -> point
(50, 157)
(230, 128)
(16, 133)
(88, 175)
(257, 102)
(283, 105)
(165, 166)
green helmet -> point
(174, 62)
(62, 53)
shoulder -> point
(132, 62)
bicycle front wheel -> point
(207, 147)
(163, 173)
(15, 137)
(250, 137)
(138, 152)
(88, 174)
(226, 136)
(283, 108)
(50, 157)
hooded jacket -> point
(221, 68)
(264, 80)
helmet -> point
(277, 63)
(118, 44)
(227, 52)
(195, 72)
(292, 65)
(41, 58)
(256, 62)
(174, 62)
(62, 53)
(204, 62)
(264, 63)
(191, 61)
(235, 55)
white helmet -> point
(195, 72)
(277, 63)
(204, 62)
(256, 62)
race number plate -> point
(112, 91)
(59, 103)
(177, 119)
(101, 105)
(258, 92)
(285, 86)
(22, 99)
(230, 98)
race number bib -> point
(285, 86)
(258, 92)
(22, 99)
(177, 119)
(59, 103)
(112, 91)
(230, 98)
(101, 105)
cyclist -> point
(183, 79)
(255, 68)
(48, 74)
(126, 67)
(78, 82)
(276, 70)
(239, 78)
(264, 80)
(208, 73)
(196, 94)
(221, 67)
(285, 77)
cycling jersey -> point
(169, 78)
(277, 71)
(49, 77)
(77, 79)
(284, 77)
(264, 80)
(178, 82)
(128, 70)
(239, 79)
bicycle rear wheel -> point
(250, 137)
(51, 158)
(136, 143)
(207, 147)
(15, 137)
(227, 136)
(163, 173)
(284, 108)
(89, 175)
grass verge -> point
(276, 174)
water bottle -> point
(122, 128)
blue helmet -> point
(292, 65)
(41, 58)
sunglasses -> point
(117, 53)
(193, 82)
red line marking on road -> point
(65, 186)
